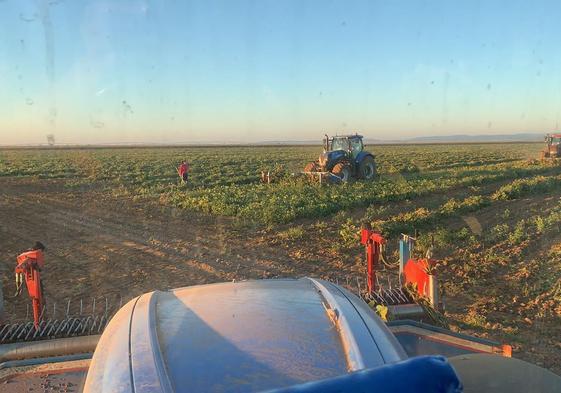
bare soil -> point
(99, 245)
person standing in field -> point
(183, 171)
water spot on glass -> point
(97, 124)
(27, 18)
(127, 108)
(488, 86)
(473, 224)
(29, 101)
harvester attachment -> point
(74, 318)
(416, 296)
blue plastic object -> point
(427, 374)
(406, 244)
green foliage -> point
(292, 233)
(350, 234)
(522, 187)
(500, 232)
(226, 180)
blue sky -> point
(235, 71)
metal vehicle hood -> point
(245, 336)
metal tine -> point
(93, 306)
(3, 329)
(36, 331)
(68, 308)
(391, 296)
(81, 305)
(403, 295)
(387, 295)
(10, 331)
(395, 297)
(102, 324)
(53, 327)
(30, 331)
(398, 295)
(70, 329)
(54, 310)
(39, 331)
(18, 332)
(85, 324)
(42, 312)
(106, 306)
(61, 326)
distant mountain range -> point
(461, 138)
(524, 137)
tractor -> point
(344, 158)
(553, 146)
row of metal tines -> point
(387, 295)
(53, 328)
(75, 318)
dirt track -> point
(98, 244)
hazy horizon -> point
(246, 72)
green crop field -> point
(226, 180)
(491, 213)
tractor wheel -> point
(367, 169)
(311, 167)
(343, 171)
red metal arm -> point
(373, 242)
(29, 265)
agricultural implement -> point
(343, 158)
(553, 146)
(282, 335)
(40, 321)
(417, 293)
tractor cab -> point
(351, 144)
(553, 146)
(344, 158)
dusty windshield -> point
(340, 144)
(153, 145)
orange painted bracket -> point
(416, 272)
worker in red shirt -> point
(183, 171)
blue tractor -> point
(344, 157)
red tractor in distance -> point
(553, 146)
